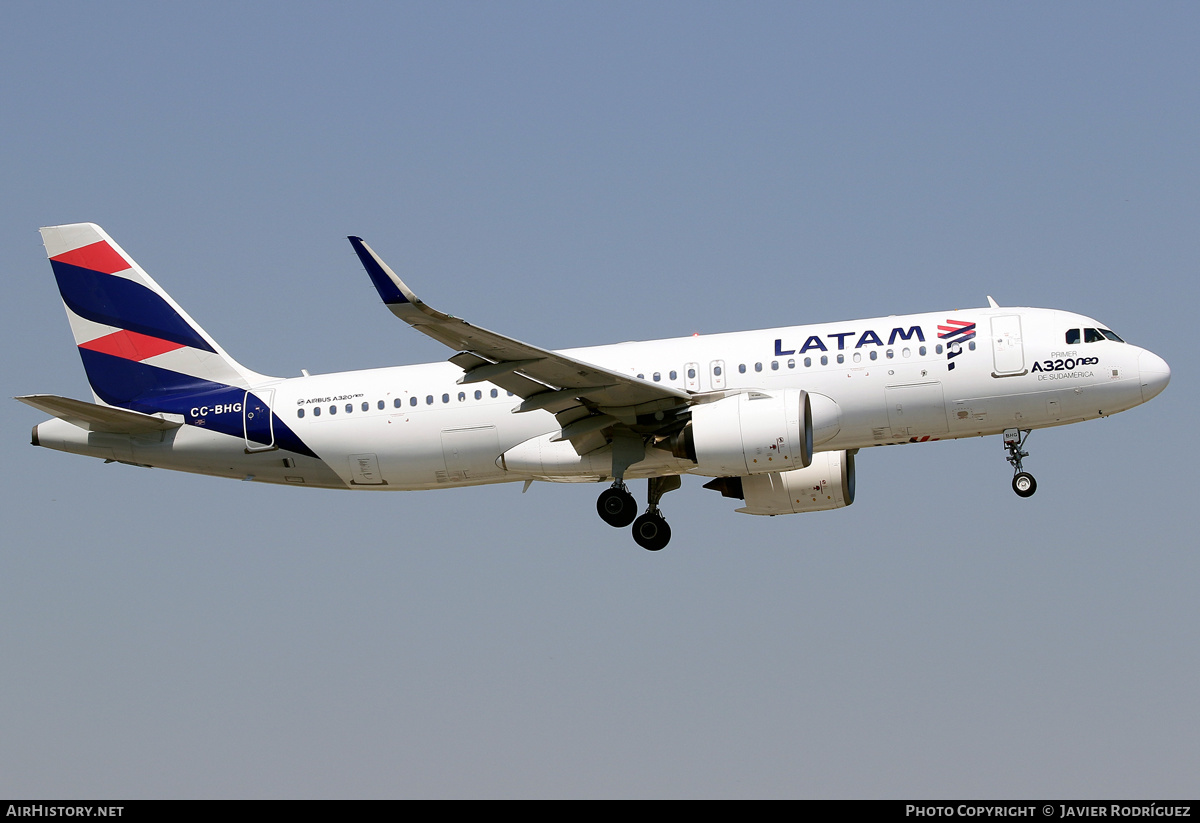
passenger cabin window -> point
(381, 405)
(316, 411)
(299, 412)
(741, 368)
(412, 401)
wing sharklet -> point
(390, 287)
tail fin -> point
(140, 350)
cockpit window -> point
(1092, 336)
(1072, 337)
(1111, 336)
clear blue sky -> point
(575, 174)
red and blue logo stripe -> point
(955, 332)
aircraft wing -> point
(572, 389)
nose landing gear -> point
(1014, 443)
(1024, 484)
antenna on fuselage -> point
(992, 303)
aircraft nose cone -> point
(1155, 374)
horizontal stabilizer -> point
(94, 418)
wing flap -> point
(506, 379)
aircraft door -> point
(257, 420)
(1008, 353)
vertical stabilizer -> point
(140, 350)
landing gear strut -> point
(650, 531)
(616, 505)
(1014, 443)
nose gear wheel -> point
(1014, 443)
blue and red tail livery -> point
(138, 346)
(140, 350)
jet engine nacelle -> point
(749, 433)
(828, 483)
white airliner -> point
(775, 417)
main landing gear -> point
(1014, 443)
(617, 507)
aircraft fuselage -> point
(873, 382)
